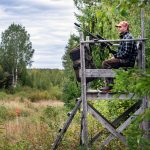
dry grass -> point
(54, 103)
(30, 128)
(29, 106)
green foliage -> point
(71, 92)
(16, 51)
(3, 113)
(71, 89)
(45, 79)
(54, 117)
(4, 95)
(21, 145)
(39, 95)
(134, 81)
(135, 133)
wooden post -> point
(145, 101)
(142, 36)
(145, 124)
(83, 92)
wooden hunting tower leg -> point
(145, 124)
(83, 93)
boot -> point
(109, 85)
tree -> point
(70, 90)
(16, 50)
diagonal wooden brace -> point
(105, 123)
(66, 125)
(120, 118)
(123, 126)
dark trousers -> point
(115, 63)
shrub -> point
(135, 133)
(39, 95)
(3, 113)
(4, 95)
(55, 93)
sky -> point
(49, 23)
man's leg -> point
(109, 64)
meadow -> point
(33, 125)
(32, 114)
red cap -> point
(123, 23)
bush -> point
(39, 95)
(55, 93)
(3, 113)
(135, 133)
(54, 117)
(3, 95)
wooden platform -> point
(98, 95)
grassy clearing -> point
(27, 125)
(37, 125)
(28, 129)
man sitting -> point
(125, 55)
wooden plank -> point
(119, 40)
(122, 127)
(66, 125)
(97, 95)
(105, 123)
(83, 92)
(95, 73)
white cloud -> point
(49, 22)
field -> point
(27, 125)
(30, 120)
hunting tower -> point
(119, 124)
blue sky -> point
(49, 23)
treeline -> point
(44, 79)
(37, 84)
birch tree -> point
(16, 50)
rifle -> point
(98, 37)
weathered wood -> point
(97, 95)
(105, 123)
(142, 36)
(139, 55)
(83, 92)
(81, 130)
(96, 137)
(66, 125)
(119, 40)
(145, 124)
(117, 121)
(95, 73)
(122, 127)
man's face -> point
(122, 28)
